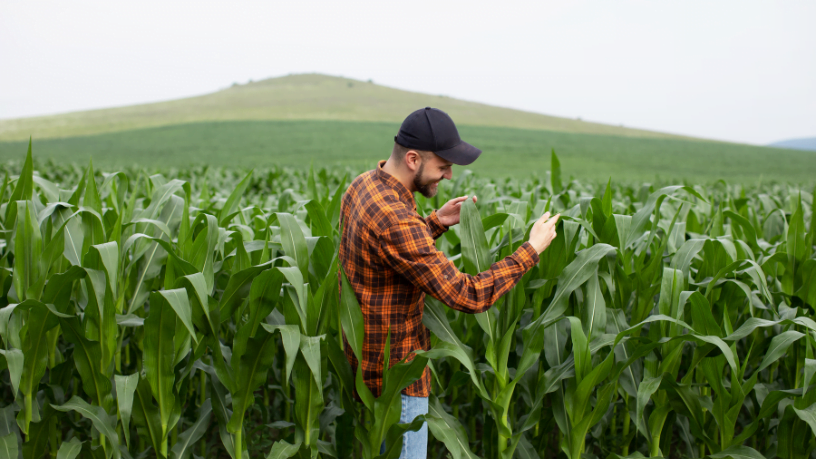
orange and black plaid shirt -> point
(388, 253)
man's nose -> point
(449, 174)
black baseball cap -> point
(431, 129)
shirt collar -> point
(404, 194)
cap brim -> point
(462, 154)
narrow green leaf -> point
(448, 430)
(796, 249)
(810, 371)
(188, 439)
(35, 350)
(437, 322)
(351, 318)
(593, 317)
(645, 390)
(87, 355)
(69, 449)
(310, 349)
(573, 276)
(91, 199)
(178, 300)
(395, 436)
(321, 226)
(251, 373)
(475, 253)
(233, 200)
(294, 242)
(27, 252)
(125, 387)
(779, 345)
(15, 363)
(204, 248)
(74, 238)
(808, 415)
(159, 355)
(102, 421)
(290, 335)
(283, 450)
(555, 174)
(606, 201)
(23, 189)
(146, 416)
(580, 349)
(738, 452)
(464, 355)
(8, 446)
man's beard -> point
(424, 188)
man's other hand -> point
(543, 232)
(449, 213)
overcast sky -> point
(739, 70)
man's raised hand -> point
(543, 232)
(450, 212)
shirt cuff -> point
(436, 227)
(526, 255)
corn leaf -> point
(103, 422)
(125, 387)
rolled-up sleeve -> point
(407, 247)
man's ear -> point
(413, 160)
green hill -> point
(294, 120)
(296, 97)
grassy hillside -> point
(336, 121)
(296, 97)
(507, 152)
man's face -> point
(427, 181)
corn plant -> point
(197, 312)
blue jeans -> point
(414, 444)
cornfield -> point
(199, 314)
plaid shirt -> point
(389, 255)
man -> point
(387, 251)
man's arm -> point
(409, 250)
(437, 228)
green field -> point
(521, 153)
(196, 314)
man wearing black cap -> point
(387, 251)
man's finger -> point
(551, 222)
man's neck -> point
(400, 174)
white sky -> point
(739, 70)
